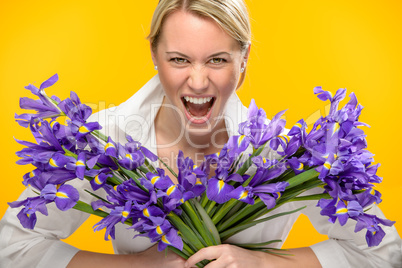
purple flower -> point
(172, 238)
(259, 186)
(256, 129)
(100, 179)
(218, 189)
(65, 196)
(27, 215)
(375, 233)
(45, 107)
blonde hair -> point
(230, 15)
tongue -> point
(198, 110)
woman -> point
(200, 49)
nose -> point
(198, 79)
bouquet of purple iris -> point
(206, 207)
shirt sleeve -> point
(345, 248)
(41, 247)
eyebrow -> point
(211, 56)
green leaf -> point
(84, 207)
(208, 222)
(185, 231)
(135, 177)
(225, 235)
(302, 177)
(258, 245)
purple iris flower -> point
(65, 196)
(109, 223)
(256, 129)
(156, 181)
(133, 154)
(128, 190)
(100, 179)
(75, 110)
(237, 145)
(136, 146)
(78, 165)
(172, 238)
(110, 148)
(375, 233)
(340, 209)
(156, 230)
(296, 165)
(218, 189)
(27, 215)
(259, 186)
(190, 177)
(327, 95)
(45, 107)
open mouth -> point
(198, 107)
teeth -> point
(198, 100)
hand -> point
(152, 258)
(230, 256)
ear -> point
(153, 55)
(247, 53)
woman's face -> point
(199, 67)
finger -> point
(209, 253)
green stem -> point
(195, 218)
(224, 210)
(238, 228)
(185, 231)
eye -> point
(217, 60)
(179, 60)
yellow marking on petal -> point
(336, 128)
(182, 200)
(83, 129)
(115, 188)
(241, 138)
(342, 211)
(301, 166)
(31, 174)
(159, 230)
(195, 166)
(146, 212)
(318, 127)
(374, 232)
(221, 183)
(171, 190)
(243, 194)
(52, 123)
(372, 192)
(279, 194)
(129, 156)
(53, 163)
(80, 163)
(285, 138)
(264, 160)
(327, 165)
(164, 240)
(125, 214)
(109, 145)
(61, 195)
(298, 125)
(155, 179)
(97, 180)
(198, 182)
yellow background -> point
(99, 50)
